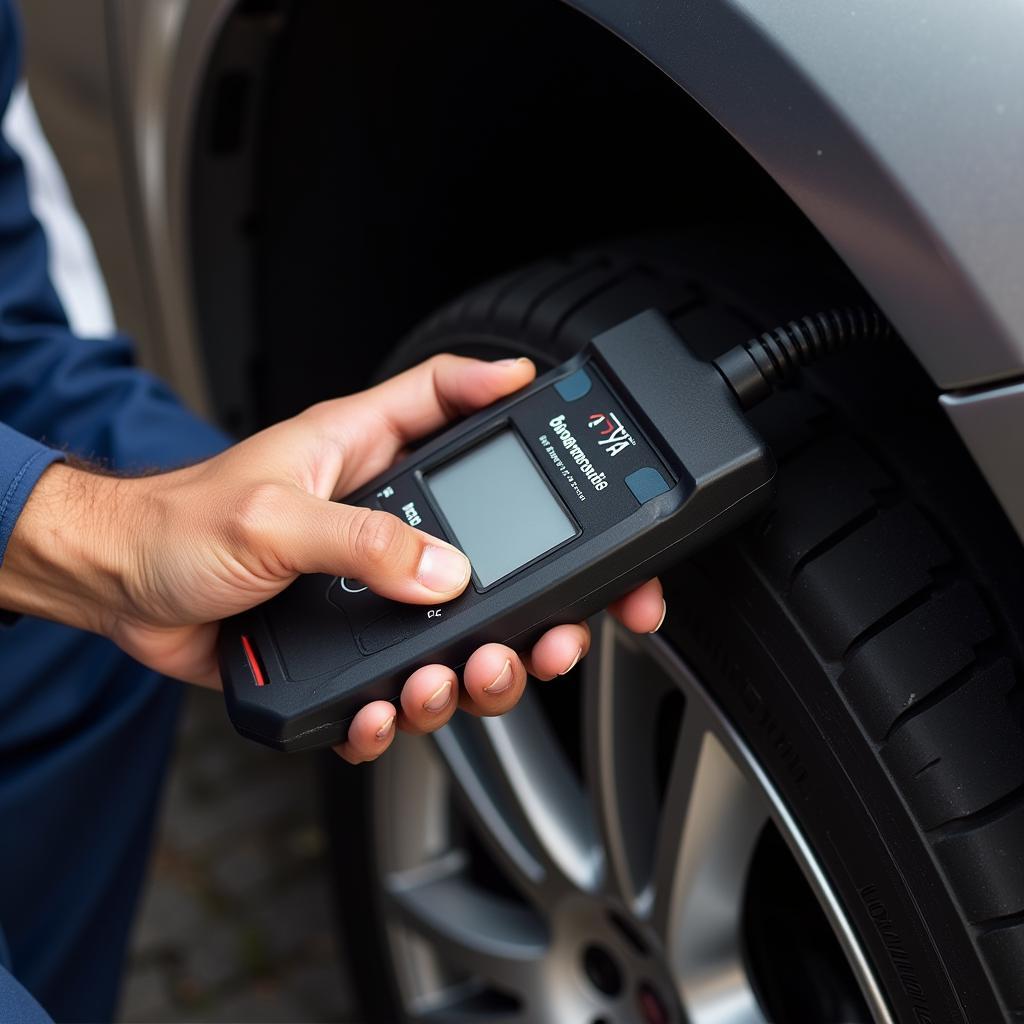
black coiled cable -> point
(758, 366)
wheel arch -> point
(850, 109)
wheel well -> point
(356, 167)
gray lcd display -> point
(499, 506)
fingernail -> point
(443, 569)
(664, 612)
(510, 362)
(502, 681)
(440, 698)
(385, 727)
(575, 661)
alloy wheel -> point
(621, 859)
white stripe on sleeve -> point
(74, 269)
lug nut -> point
(602, 970)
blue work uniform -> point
(84, 731)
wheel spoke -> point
(488, 806)
(525, 799)
(624, 695)
(496, 940)
(710, 824)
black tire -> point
(864, 636)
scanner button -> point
(310, 635)
(351, 586)
(249, 649)
(360, 604)
(576, 385)
(401, 625)
(405, 500)
(646, 483)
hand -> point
(156, 562)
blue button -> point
(576, 385)
(646, 483)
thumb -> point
(392, 558)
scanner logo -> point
(574, 451)
(613, 437)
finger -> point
(558, 650)
(643, 610)
(393, 559)
(370, 733)
(425, 398)
(429, 699)
(381, 421)
(493, 680)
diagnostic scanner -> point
(565, 496)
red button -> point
(254, 662)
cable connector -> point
(757, 367)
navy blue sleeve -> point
(22, 462)
(17, 1005)
(58, 391)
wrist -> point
(70, 553)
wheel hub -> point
(616, 969)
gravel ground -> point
(235, 922)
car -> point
(803, 799)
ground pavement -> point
(235, 923)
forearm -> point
(67, 554)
